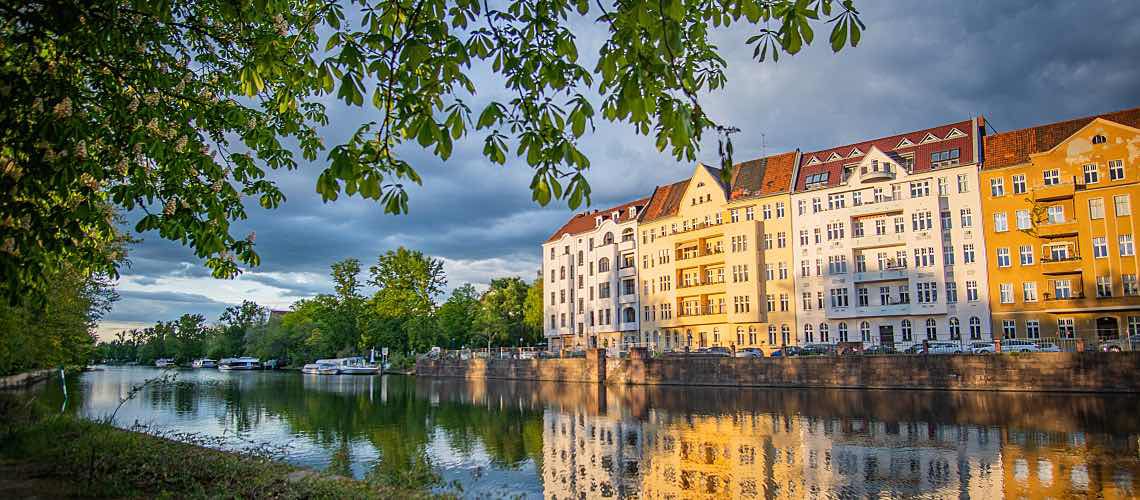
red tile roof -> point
(763, 176)
(1014, 147)
(894, 143)
(584, 221)
(664, 201)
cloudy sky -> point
(921, 63)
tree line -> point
(403, 314)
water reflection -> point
(564, 441)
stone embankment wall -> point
(1077, 372)
(25, 379)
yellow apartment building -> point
(1060, 229)
(715, 259)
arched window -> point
(772, 334)
(608, 238)
(785, 334)
(842, 329)
(975, 328)
(627, 234)
(824, 332)
(865, 331)
(955, 329)
(1099, 139)
(808, 336)
(907, 336)
(931, 329)
(752, 335)
(603, 265)
(630, 315)
(740, 335)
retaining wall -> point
(25, 379)
(1069, 372)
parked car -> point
(1019, 345)
(981, 347)
(1048, 347)
(750, 352)
(880, 349)
(715, 351)
(817, 350)
(1131, 343)
(942, 348)
(786, 352)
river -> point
(554, 440)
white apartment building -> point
(589, 277)
(889, 244)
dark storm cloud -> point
(149, 307)
(921, 63)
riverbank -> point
(21, 380)
(1044, 372)
(66, 456)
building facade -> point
(888, 247)
(714, 259)
(589, 277)
(1061, 231)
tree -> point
(532, 309)
(501, 317)
(237, 322)
(179, 108)
(189, 338)
(456, 317)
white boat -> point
(357, 366)
(204, 363)
(164, 363)
(322, 367)
(242, 363)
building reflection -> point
(760, 454)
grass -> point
(69, 456)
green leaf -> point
(839, 35)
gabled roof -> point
(760, 177)
(1014, 147)
(584, 221)
(664, 201)
(906, 143)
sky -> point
(920, 64)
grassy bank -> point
(67, 456)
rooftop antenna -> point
(763, 145)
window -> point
(781, 240)
(603, 290)
(948, 255)
(839, 297)
(734, 215)
(907, 334)
(975, 328)
(1029, 291)
(1066, 328)
(1133, 325)
(861, 295)
(1026, 254)
(1092, 175)
(1008, 328)
(1099, 139)
(1023, 221)
(1032, 329)
(1001, 224)
(749, 213)
(951, 292)
(1103, 286)
(1100, 247)
(967, 218)
(816, 180)
(1123, 205)
(1003, 257)
(865, 331)
(955, 329)
(947, 157)
(802, 207)
(807, 301)
(997, 187)
(1129, 282)
(1126, 249)
(971, 291)
(783, 270)
(963, 183)
(824, 332)
(780, 210)
(1019, 183)
(919, 189)
(1096, 208)
(968, 253)
(927, 292)
(1051, 177)
(1006, 293)
(809, 336)
(1115, 170)
(946, 221)
(784, 302)
(943, 190)
(767, 211)
(603, 265)
(1055, 214)
(921, 221)
(1063, 289)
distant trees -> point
(402, 315)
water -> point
(521, 439)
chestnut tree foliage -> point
(178, 108)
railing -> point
(701, 283)
(702, 311)
(696, 255)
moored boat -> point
(321, 367)
(204, 363)
(242, 363)
(164, 363)
(357, 366)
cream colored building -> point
(590, 279)
(889, 246)
(714, 259)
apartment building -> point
(714, 259)
(889, 245)
(1060, 228)
(590, 279)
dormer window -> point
(614, 215)
(597, 220)
(1099, 139)
(632, 212)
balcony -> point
(876, 174)
(701, 287)
(1057, 229)
(879, 240)
(884, 205)
(1061, 265)
(705, 257)
(627, 271)
(1055, 192)
(884, 275)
